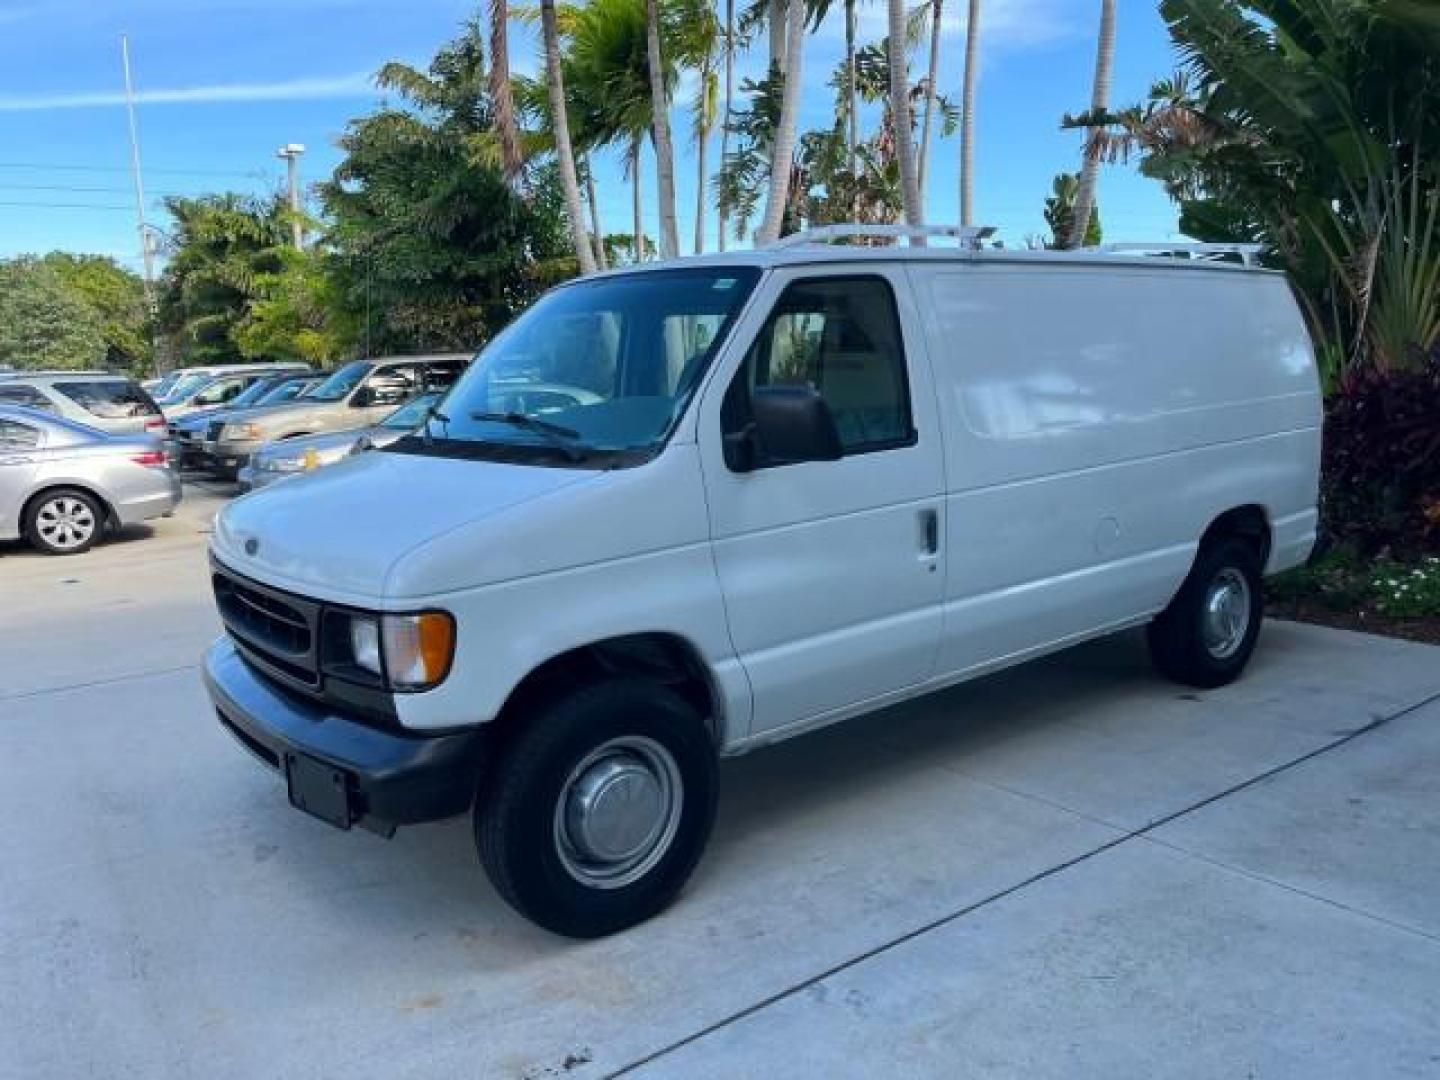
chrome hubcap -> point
(618, 812)
(65, 523)
(1227, 613)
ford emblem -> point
(252, 546)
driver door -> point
(831, 570)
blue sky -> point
(222, 83)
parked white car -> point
(814, 481)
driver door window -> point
(841, 338)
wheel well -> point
(667, 659)
(110, 518)
(1249, 523)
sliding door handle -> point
(930, 531)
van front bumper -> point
(337, 768)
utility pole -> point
(147, 251)
(291, 153)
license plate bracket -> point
(319, 789)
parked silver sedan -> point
(290, 457)
(63, 483)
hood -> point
(331, 443)
(337, 532)
(257, 412)
(200, 418)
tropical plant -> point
(934, 9)
(117, 295)
(1099, 103)
(300, 312)
(512, 156)
(897, 43)
(219, 249)
(433, 246)
(1312, 127)
(564, 149)
(45, 322)
(782, 148)
(967, 115)
(1060, 213)
(722, 218)
(660, 133)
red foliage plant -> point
(1380, 486)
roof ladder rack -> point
(1249, 253)
(967, 236)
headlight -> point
(280, 464)
(409, 652)
(241, 431)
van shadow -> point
(431, 876)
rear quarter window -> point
(17, 436)
(109, 399)
(27, 396)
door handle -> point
(930, 531)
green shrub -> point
(1407, 591)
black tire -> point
(64, 521)
(1179, 646)
(518, 821)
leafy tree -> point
(1060, 213)
(437, 250)
(44, 321)
(223, 248)
(1312, 127)
(299, 312)
(118, 296)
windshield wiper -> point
(556, 433)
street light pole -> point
(147, 252)
(291, 153)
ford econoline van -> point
(686, 509)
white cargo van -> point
(684, 510)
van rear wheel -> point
(599, 807)
(1205, 636)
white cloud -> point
(358, 84)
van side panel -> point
(1096, 421)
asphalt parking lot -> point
(1072, 869)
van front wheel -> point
(1206, 635)
(599, 807)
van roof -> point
(813, 248)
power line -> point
(253, 173)
(67, 206)
(81, 189)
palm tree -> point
(512, 159)
(932, 73)
(782, 150)
(563, 149)
(722, 215)
(1099, 103)
(900, 110)
(852, 111)
(967, 116)
(660, 134)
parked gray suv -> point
(112, 403)
(357, 395)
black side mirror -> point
(791, 424)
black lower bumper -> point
(381, 779)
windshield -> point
(341, 382)
(252, 394)
(601, 365)
(184, 387)
(286, 391)
(411, 414)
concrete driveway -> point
(1069, 870)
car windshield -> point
(184, 387)
(286, 391)
(605, 365)
(341, 382)
(411, 414)
(251, 395)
